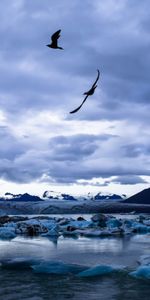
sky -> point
(105, 146)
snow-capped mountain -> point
(10, 196)
(20, 197)
(57, 196)
(100, 196)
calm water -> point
(25, 284)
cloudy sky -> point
(106, 145)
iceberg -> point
(58, 268)
(141, 272)
(113, 223)
(81, 224)
(99, 270)
(52, 232)
(20, 263)
(140, 228)
(7, 233)
(144, 260)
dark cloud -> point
(111, 35)
(129, 180)
(10, 146)
(32, 73)
(134, 150)
(76, 147)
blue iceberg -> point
(141, 272)
(58, 268)
(99, 270)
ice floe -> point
(58, 268)
(141, 272)
(54, 231)
(144, 260)
(100, 225)
(19, 263)
(99, 270)
(7, 233)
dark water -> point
(15, 285)
(25, 284)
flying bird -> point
(89, 93)
(54, 39)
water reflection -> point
(24, 284)
(82, 250)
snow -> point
(57, 206)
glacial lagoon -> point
(80, 267)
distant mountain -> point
(100, 196)
(20, 197)
(51, 195)
(142, 197)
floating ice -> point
(144, 260)
(10, 225)
(141, 272)
(81, 224)
(140, 228)
(113, 223)
(49, 224)
(18, 263)
(60, 268)
(98, 271)
(7, 233)
(52, 232)
(146, 222)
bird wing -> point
(56, 35)
(74, 111)
(96, 79)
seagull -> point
(54, 39)
(89, 93)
